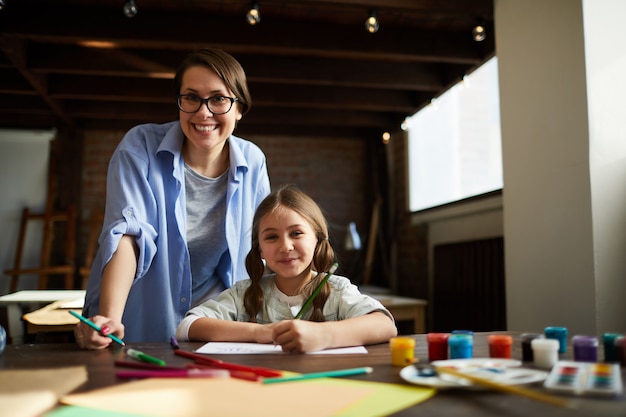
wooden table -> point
(405, 308)
(21, 302)
(446, 403)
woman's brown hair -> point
(225, 66)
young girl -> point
(289, 233)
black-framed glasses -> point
(190, 103)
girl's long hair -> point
(289, 196)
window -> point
(454, 144)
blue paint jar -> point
(610, 352)
(3, 339)
(461, 346)
(557, 333)
(471, 333)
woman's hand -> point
(88, 338)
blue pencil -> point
(339, 372)
(95, 327)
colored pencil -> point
(248, 376)
(184, 373)
(96, 327)
(511, 389)
(144, 365)
(327, 374)
(217, 363)
(317, 290)
(174, 343)
(145, 357)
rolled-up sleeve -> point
(131, 209)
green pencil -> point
(309, 300)
(96, 327)
(339, 372)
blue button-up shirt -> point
(146, 199)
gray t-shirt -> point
(206, 232)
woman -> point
(179, 208)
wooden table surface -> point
(450, 402)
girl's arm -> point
(215, 330)
(308, 336)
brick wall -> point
(337, 173)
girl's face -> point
(287, 242)
(204, 130)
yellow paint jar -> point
(402, 350)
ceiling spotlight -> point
(253, 16)
(478, 33)
(371, 24)
(130, 8)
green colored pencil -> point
(327, 374)
(317, 290)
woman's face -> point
(204, 130)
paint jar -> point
(610, 352)
(545, 352)
(402, 350)
(469, 332)
(620, 350)
(461, 345)
(3, 339)
(500, 345)
(437, 346)
(585, 348)
(558, 333)
(527, 350)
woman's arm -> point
(117, 278)
(308, 336)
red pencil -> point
(217, 363)
(248, 376)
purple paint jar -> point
(585, 348)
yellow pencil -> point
(512, 389)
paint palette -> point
(502, 371)
(584, 378)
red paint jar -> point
(437, 346)
(500, 345)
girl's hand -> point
(264, 333)
(299, 336)
(87, 338)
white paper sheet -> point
(252, 348)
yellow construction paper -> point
(386, 398)
(27, 393)
(199, 397)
